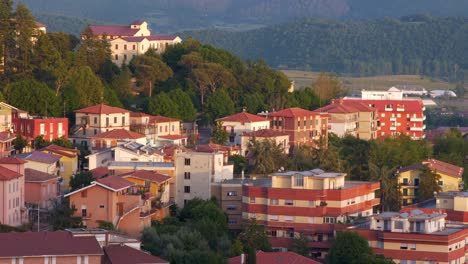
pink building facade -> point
(41, 188)
(12, 208)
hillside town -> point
(131, 147)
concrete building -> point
(351, 118)
(41, 189)
(273, 258)
(6, 116)
(195, 173)
(241, 123)
(228, 194)
(115, 200)
(160, 130)
(31, 127)
(304, 127)
(280, 138)
(409, 177)
(6, 144)
(68, 161)
(12, 191)
(114, 138)
(313, 203)
(416, 237)
(41, 161)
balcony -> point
(388, 109)
(417, 128)
(392, 118)
(400, 109)
(393, 128)
(418, 119)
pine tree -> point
(26, 34)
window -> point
(187, 175)
(231, 193)
(95, 120)
(412, 246)
(232, 221)
(83, 212)
(116, 46)
(123, 120)
(405, 181)
(147, 184)
(115, 120)
(299, 180)
(231, 207)
(133, 46)
(187, 162)
(84, 193)
(403, 246)
(272, 233)
(405, 192)
(125, 46)
(298, 123)
(95, 131)
(274, 218)
(288, 202)
(288, 218)
(274, 202)
(329, 220)
(252, 200)
(101, 206)
(398, 224)
(173, 128)
(186, 189)
(311, 220)
(116, 57)
(441, 183)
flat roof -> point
(141, 164)
(318, 173)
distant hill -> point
(176, 15)
(412, 45)
(59, 23)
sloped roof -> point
(113, 30)
(342, 107)
(292, 112)
(119, 134)
(39, 156)
(56, 243)
(162, 119)
(102, 109)
(267, 133)
(31, 175)
(121, 254)
(173, 137)
(61, 150)
(211, 148)
(99, 172)
(138, 22)
(444, 167)
(276, 258)
(11, 160)
(148, 175)
(138, 114)
(115, 183)
(243, 117)
(7, 136)
(411, 167)
(7, 174)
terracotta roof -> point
(113, 30)
(11, 160)
(39, 156)
(115, 183)
(243, 117)
(39, 244)
(119, 134)
(342, 106)
(7, 136)
(150, 38)
(148, 175)
(211, 148)
(121, 254)
(267, 133)
(102, 109)
(138, 114)
(61, 150)
(7, 174)
(276, 258)
(138, 22)
(292, 112)
(38, 24)
(408, 105)
(99, 172)
(444, 167)
(173, 137)
(31, 175)
(162, 119)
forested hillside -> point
(412, 45)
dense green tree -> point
(218, 104)
(34, 97)
(237, 248)
(122, 84)
(63, 142)
(327, 87)
(161, 104)
(6, 29)
(80, 180)
(219, 135)
(254, 237)
(185, 108)
(150, 69)
(301, 245)
(93, 52)
(265, 156)
(349, 247)
(83, 89)
(62, 215)
(111, 98)
(40, 142)
(428, 184)
(390, 196)
(240, 163)
(19, 143)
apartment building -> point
(68, 161)
(160, 130)
(41, 161)
(6, 144)
(278, 137)
(31, 127)
(134, 39)
(41, 189)
(304, 127)
(12, 192)
(240, 123)
(313, 203)
(351, 118)
(409, 177)
(196, 172)
(454, 204)
(228, 194)
(115, 137)
(116, 200)
(399, 117)
(416, 237)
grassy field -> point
(305, 78)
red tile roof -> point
(211, 148)
(293, 112)
(58, 243)
(138, 114)
(99, 172)
(11, 160)
(39, 156)
(138, 22)
(115, 183)
(148, 175)
(121, 134)
(267, 133)
(162, 119)
(67, 152)
(150, 38)
(348, 106)
(38, 24)
(409, 105)
(113, 30)
(7, 136)
(121, 254)
(276, 258)
(444, 167)
(6, 174)
(102, 109)
(31, 175)
(243, 117)
(173, 137)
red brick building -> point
(399, 117)
(304, 127)
(313, 203)
(31, 127)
